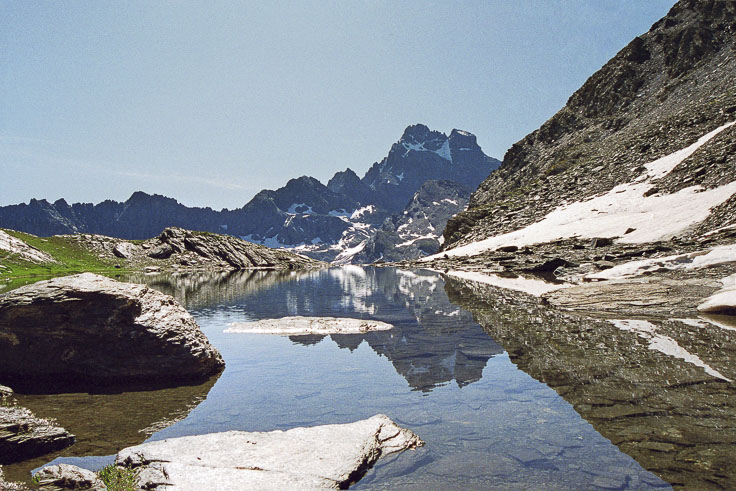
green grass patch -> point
(70, 256)
(119, 478)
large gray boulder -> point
(87, 329)
(329, 456)
(24, 436)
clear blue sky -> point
(209, 102)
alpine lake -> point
(506, 392)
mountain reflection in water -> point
(426, 349)
(647, 391)
(486, 423)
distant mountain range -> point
(328, 222)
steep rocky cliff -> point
(415, 231)
(659, 94)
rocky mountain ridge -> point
(663, 91)
(320, 220)
(626, 196)
(414, 232)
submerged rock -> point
(294, 326)
(65, 476)
(86, 329)
(329, 456)
(10, 486)
(24, 436)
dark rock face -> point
(423, 154)
(87, 329)
(24, 436)
(659, 94)
(348, 183)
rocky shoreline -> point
(180, 249)
(62, 324)
(590, 266)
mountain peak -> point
(141, 197)
(420, 133)
(304, 181)
(456, 134)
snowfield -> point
(693, 260)
(622, 208)
(723, 300)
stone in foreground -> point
(295, 326)
(329, 456)
(87, 329)
(65, 476)
(24, 436)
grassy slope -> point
(71, 258)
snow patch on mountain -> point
(443, 151)
(361, 212)
(300, 208)
(623, 207)
(272, 242)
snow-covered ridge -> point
(623, 208)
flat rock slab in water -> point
(329, 456)
(294, 326)
(86, 329)
(24, 436)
